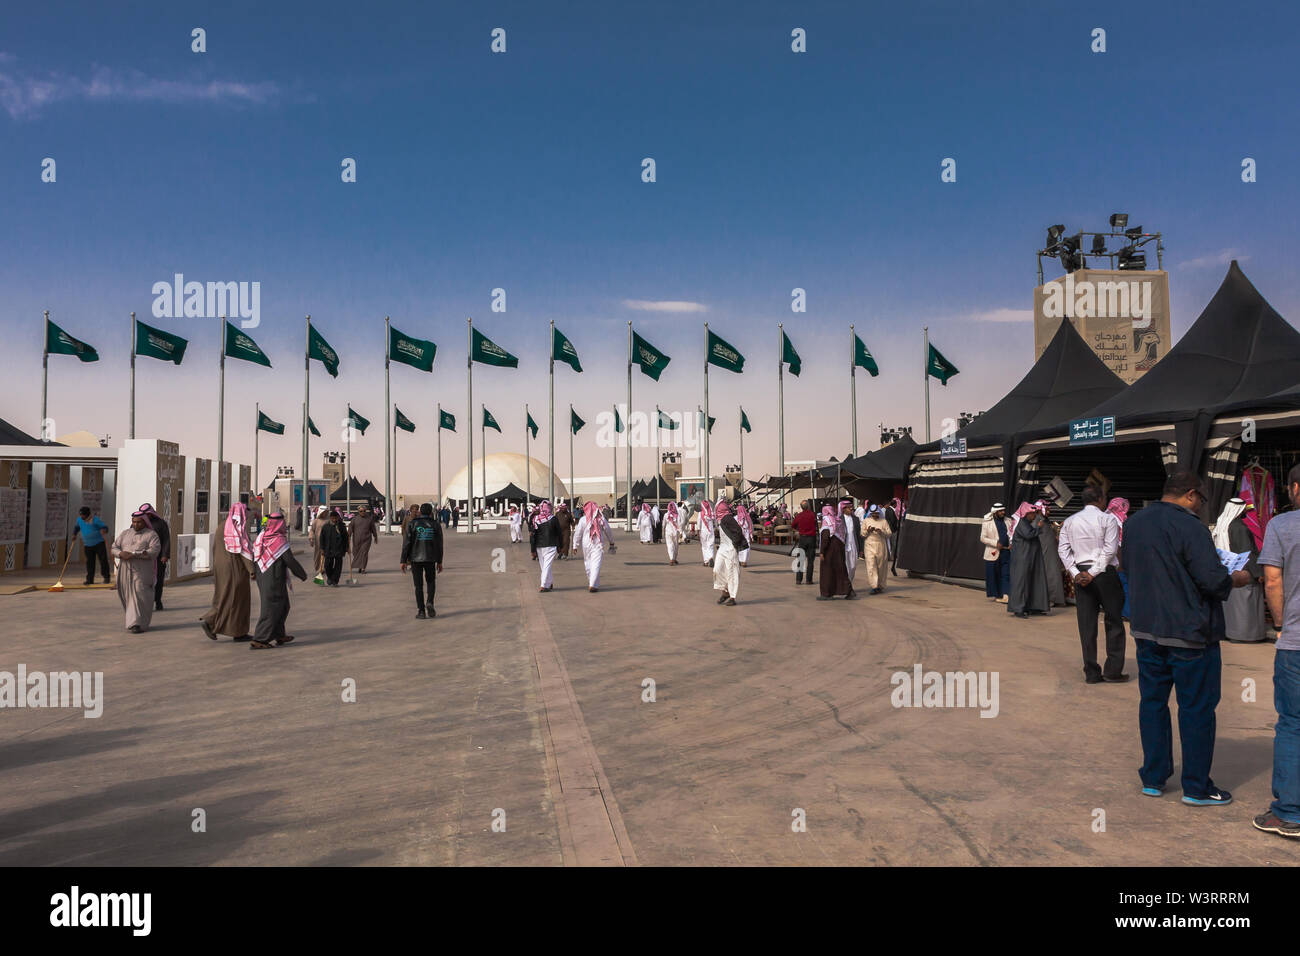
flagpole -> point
(306, 427)
(390, 467)
(347, 470)
(741, 432)
(627, 426)
(528, 471)
(440, 498)
(257, 438)
(658, 461)
(221, 410)
(707, 494)
(483, 454)
(469, 410)
(925, 374)
(572, 499)
(131, 431)
(390, 525)
(551, 461)
(45, 378)
(780, 399)
(615, 486)
(853, 384)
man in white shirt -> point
(1089, 549)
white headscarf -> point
(1234, 509)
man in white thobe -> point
(726, 564)
(707, 532)
(135, 551)
(746, 525)
(516, 524)
(645, 525)
(591, 535)
(672, 531)
(851, 539)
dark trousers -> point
(160, 578)
(997, 575)
(423, 572)
(333, 568)
(1286, 738)
(807, 544)
(1104, 593)
(1196, 674)
(100, 550)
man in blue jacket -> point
(1177, 586)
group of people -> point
(1169, 576)
(843, 538)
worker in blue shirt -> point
(92, 532)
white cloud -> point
(24, 94)
(1220, 258)
(666, 305)
(1001, 315)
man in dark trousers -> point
(1177, 587)
(804, 525)
(422, 550)
(455, 517)
(1089, 550)
(565, 523)
(92, 531)
(334, 546)
(159, 527)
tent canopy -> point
(1240, 350)
(352, 489)
(886, 464)
(9, 435)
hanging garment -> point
(1257, 489)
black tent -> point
(510, 492)
(353, 490)
(947, 498)
(1239, 358)
(886, 464)
(9, 435)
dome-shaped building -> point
(503, 470)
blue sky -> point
(522, 171)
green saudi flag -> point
(240, 346)
(618, 422)
(446, 420)
(489, 421)
(357, 422)
(155, 343)
(862, 357)
(711, 421)
(665, 421)
(267, 424)
(532, 425)
(575, 422)
(401, 421)
(319, 349)
(651, 361)
(483, 349)
(725, 355)
(562, 350)
(744, 421)
(939, 367)
(416, 353)
(58, 342)
(311, 427)
(788, 355)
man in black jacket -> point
(422, 550)
(1177, 586)
(160, 528)
(333, 546)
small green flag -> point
(483, 349)
(489, 421)
(240, 346)
(562, 350)
(665, 421)
(155, 343)
(575, 422)
(650, 359)
(311, 427)
(532, 425)
(862, 357)
(402, 422)
(266, 424)
(711, 421)
(724, 355)
(744, 421)
(940, 367)
(618, 422)
(416, 353)
(58, 342)
(357, 422)
(319, 349)
(446, 420)
(788, 355)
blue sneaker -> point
(1153, 791)
(1215, 798)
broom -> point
(58, 585)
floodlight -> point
(1118, 220)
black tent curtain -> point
(947, 500)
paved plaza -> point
(527, 709)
